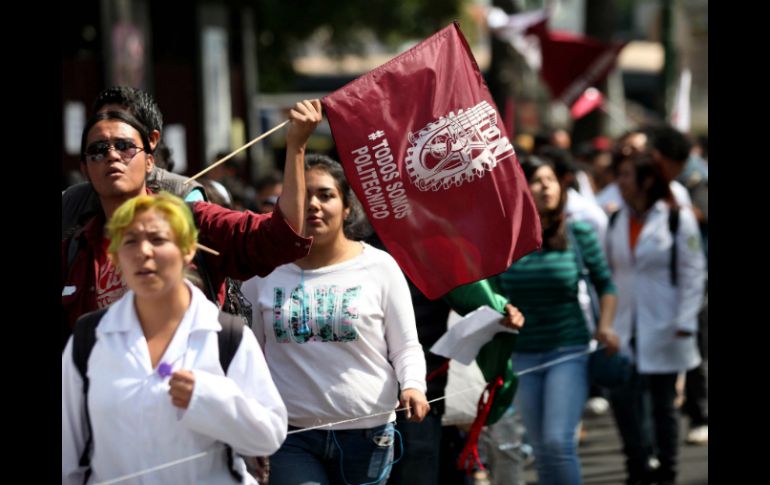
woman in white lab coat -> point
(157, 390)
(659, 268)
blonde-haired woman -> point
(157, 391)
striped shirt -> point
(544, 286)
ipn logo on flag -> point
(456, 148)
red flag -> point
(426, 153)
(572, 63)
(591, 99)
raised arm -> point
(305, 117)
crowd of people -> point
(327, 328)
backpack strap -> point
(229, 340)
(673, 227)
(83, 340)
(229, 337)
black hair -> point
(135, 101)
(355, 226)
(646, 168)
(563, 163)
(671, 143)
(554, 223)
(123, 116)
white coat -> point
(581, 208)
(646, 297)
(134, 424)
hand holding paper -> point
(463, 340)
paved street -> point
(602, 458)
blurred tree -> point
(282, 25)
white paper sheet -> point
(463, 340)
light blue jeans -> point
(551, 403)
(344, 457)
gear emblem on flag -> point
(455, 149)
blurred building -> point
(197, 58)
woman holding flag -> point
(340, 339)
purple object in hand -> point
(164, 369)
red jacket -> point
(249, 245)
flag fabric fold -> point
(573, 63)
(568, 63)
(424, 149)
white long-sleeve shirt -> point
(134, 424)
(339, 348)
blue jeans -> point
(342, 457)
(551, 403)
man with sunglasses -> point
(116, 156)
(80, 202)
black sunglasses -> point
(96, 152)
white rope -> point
(154, 469)
(351, 420)
(302, 430)
(560, 360)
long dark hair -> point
(355, 226)
(554, 222)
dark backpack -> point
(673, 227)
(84, 338)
